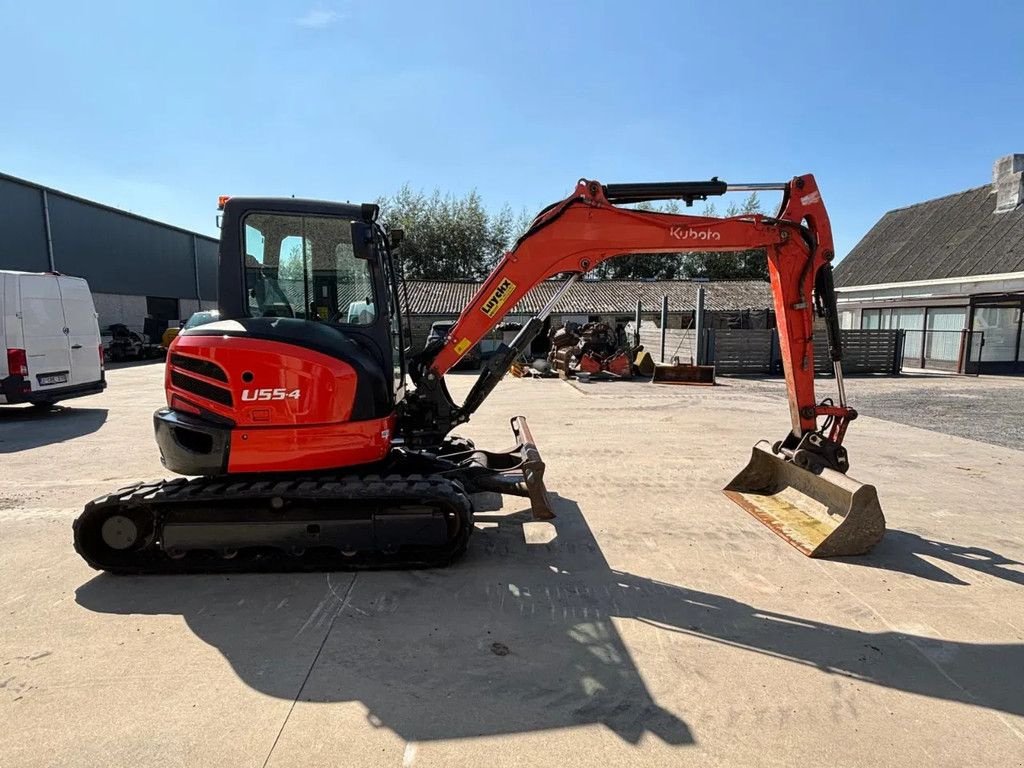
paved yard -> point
(986, 408)
(652, 623)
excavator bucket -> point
(822, 515)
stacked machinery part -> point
(594, 348)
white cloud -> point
(318, 17)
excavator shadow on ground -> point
(906, 552)
(519, 637)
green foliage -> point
(751, 264)
(645, 266)
(291, 266)
(447, 237)
(737, 265)
(452, 238)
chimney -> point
(1008, 182)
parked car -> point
(50, 346)
(198, 318)
(471, 360)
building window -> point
(869, 319)
(932, 336)
(1000, 324)
(911, 320)
(944, 333)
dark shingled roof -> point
(954, 236)
(442, 297)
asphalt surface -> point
(985, 408)
(651, 623)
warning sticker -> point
(498, 297)
(462, 346)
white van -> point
(50, 345)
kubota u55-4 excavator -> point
(313, 452)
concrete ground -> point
(652, 623)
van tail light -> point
(17, 362)
(102, 357)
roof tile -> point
(958, 235)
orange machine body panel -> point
(291, 407)
(297, 449)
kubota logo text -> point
(689, 233)
(500, 295)
(249, 395)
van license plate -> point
(53, 378)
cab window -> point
(305, 267)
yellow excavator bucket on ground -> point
(822, 515)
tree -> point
(452, 238)
(292, 266)
(446, 237)
(650, 266)
(737, 265)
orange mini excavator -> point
(308, 447)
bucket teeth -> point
(822, 515)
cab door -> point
(83, 335)
(394, 305)
(45, 332)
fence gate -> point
(744, 350)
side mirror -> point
(396, 236)
(362, 240)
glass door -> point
(997, 326)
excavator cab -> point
(305, 369)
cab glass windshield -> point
(305, 267)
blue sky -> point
(160, 107)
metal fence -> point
(749, 351)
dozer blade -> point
(532, 469)
(826, 515)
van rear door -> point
(83, 332)
(45, 332)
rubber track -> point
(154, 499)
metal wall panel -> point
(207, 252)
(22, 231)
(120, 254)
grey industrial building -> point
(136, 267)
